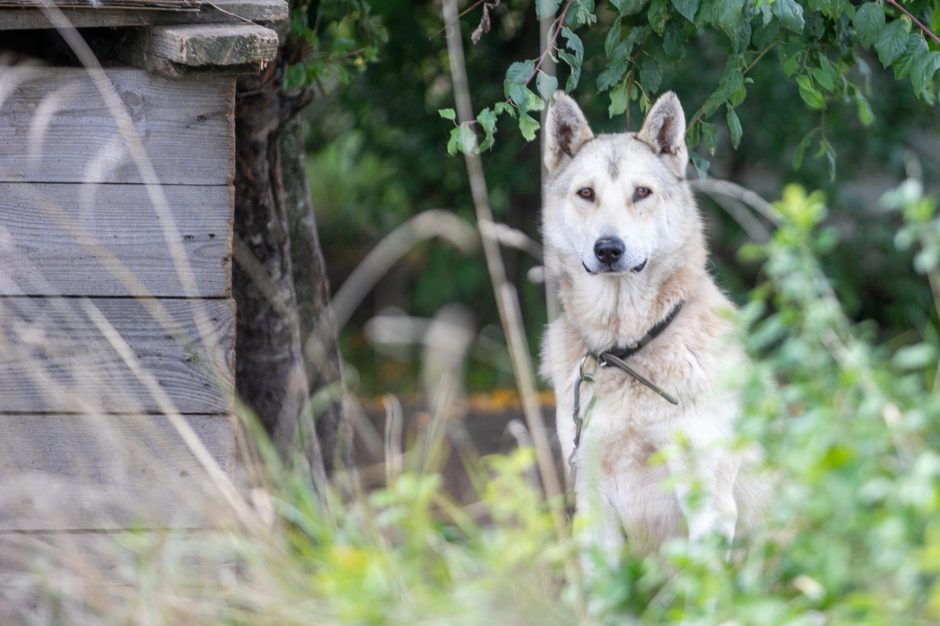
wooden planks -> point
(55, 127)
(74, 472)
(269, 12)
(173, 50)
(130, 4)
(56, 355)
(110, 240)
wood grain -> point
(56, 357)
(271, 12)
(64, 472)
(132, 4)
(109, 240)
(55, 127)
(219, 46)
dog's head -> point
(617, 205)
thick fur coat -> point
(645, 470)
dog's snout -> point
(609, 250)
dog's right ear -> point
(566, 130)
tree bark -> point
(287, 357)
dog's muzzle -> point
(610, 254)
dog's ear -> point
(664, 131)
(566, 131)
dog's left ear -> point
(566, 130)
(664, 131)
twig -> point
(431, 223)
(229, 13)
(462, 13)
(551, 44)
(697, 117)
(920, 25)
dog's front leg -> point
(704, 485)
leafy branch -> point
(920, 24)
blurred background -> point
(377, 156)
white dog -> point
(624, 241)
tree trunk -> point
(287, 358)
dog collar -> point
(654, 332)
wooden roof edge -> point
(272, 13)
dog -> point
(625, 245)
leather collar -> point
(654, 332)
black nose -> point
(608, 250)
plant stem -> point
(697, 117)
(506, 297)
(920, 25)
(551, 45)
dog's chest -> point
(625, 423)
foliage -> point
(392, 110)
(851, 537)
(818, 43)
(328, 41)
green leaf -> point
(674, 41)
(729, 85)
(826, 150)
(520, 71)
(801, 149)
(791, 64)
(574, 59)
(915, 357)
(528, 125)
(686, 8)
(734, 127)
(628, 7)
(700, 163)
(825, 74)
(618, 100)
(865, 114)
(546, 8)
(487, 121)
(462, 139)
(811, 96)
(892, 41)
(790, 14)
(505, 107)
(869, 21)
(657, 16)
(580, 13)
(546, 85)
(709, 136)
(612, 38)
(923, 71)
(916, 46)
(447, 114)
(611, 75)
(651, 75)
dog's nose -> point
(608, 250)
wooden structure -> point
(116, 313)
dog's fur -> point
(623, 487)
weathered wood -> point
(173, 50)
(63, 472)
(110, 240)
(131, 4)
(269, 12)
(55, 127)
(55, 355)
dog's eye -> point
(641, 192)
(586, 193)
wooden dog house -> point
(117, 323)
